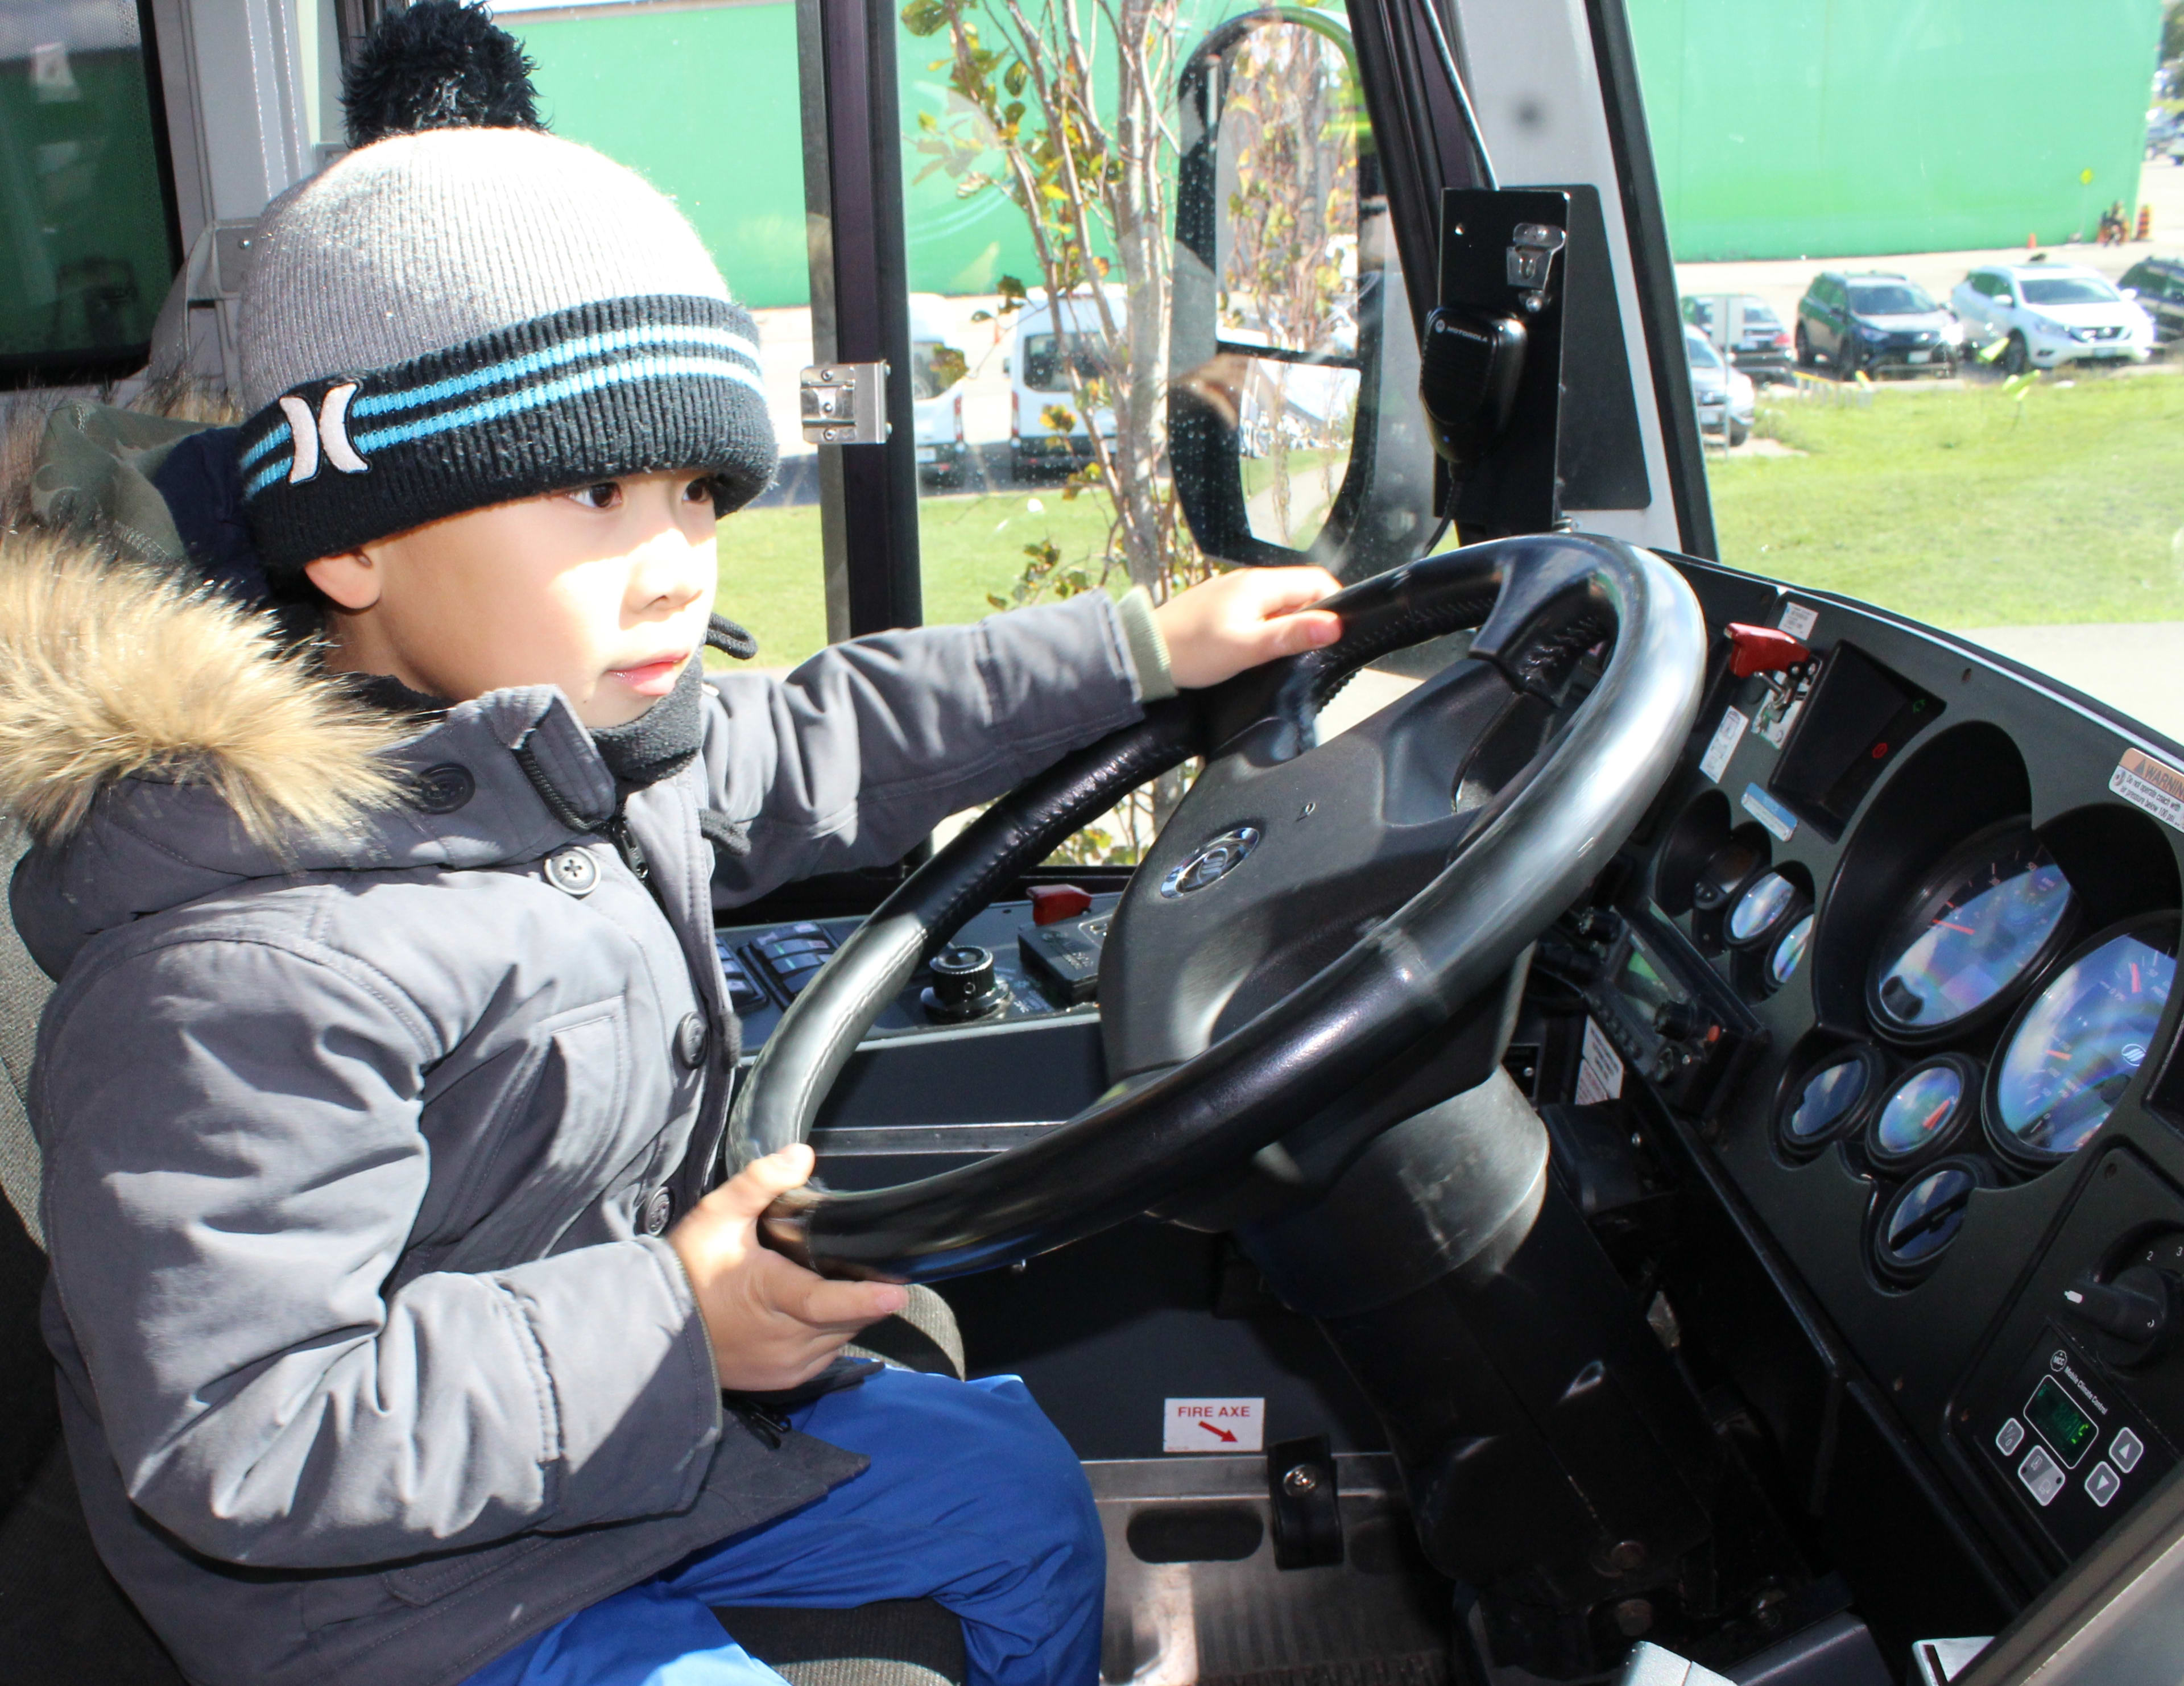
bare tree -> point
(1062, 106)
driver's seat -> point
(62, 1620)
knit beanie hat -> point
(463, 316)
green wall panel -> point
(704, 102)
(1827, 128)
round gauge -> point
(1923, 1217)
(1979, 927)
(1768, 902)
(1833, 1101)
(1789, 952)
(2074, 1048)
(1727, 871)
(1925, 1113)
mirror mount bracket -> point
(1491, 374)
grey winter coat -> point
(368, 1364)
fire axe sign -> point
(1214, 1425)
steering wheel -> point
(1307, 917)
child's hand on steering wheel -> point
(1237, 620)
(772, 1323)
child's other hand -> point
(772, 1323)
(1239, 619)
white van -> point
(1039, 380)
(937, 367)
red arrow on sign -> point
(1222, 1432)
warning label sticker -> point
(2153, 785)
(1214, 1425)
(1798, 620)
(1599, 1067)
(1726, 737)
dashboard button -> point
(2042, 1479)
(2126, 1449)
(2101, 1484)
(2010, 1437)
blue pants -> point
(973, 1499)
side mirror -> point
(2130, 291)
(1294, 430)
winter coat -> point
(360, 1121)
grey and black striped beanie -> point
(461, 317)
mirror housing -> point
(1220, 386)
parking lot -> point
(1782, 282)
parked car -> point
(1874, 323)
(1744, 328)
(936, 368)
(1038, 381)
(2156, 285)
(1726, 399)
(2054, 313)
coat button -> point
(690, 1038)
(657, 1211)
(572, 870)
(443, 789)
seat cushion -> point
(899, 1642)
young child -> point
(385, 1079)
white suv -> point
(2052, 313)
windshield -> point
(1889, 298)
(2067, 289)
(1703, 356)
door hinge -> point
(845, 403)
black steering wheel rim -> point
(1539, 602)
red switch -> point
(1762, 650)
(1051, 903)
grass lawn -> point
(1960, 508)
(771, 577)
(1964, 508)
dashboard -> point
(1897, 955)
(1891, 969)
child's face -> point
(603, 590)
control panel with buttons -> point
(1014, 960)
(1666, 1012)
(2069, 1442)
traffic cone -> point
(2145, 223)
(2031, 243)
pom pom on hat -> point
(438, 64)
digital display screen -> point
(2061, 1424)
(1642, 981)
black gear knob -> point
(963, 983)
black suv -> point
(2158, 284)
(1878, 323)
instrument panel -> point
(1914, 914)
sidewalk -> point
(2135, 668)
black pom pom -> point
(438, 64)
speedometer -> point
(1979, 927)
(2074, 1048)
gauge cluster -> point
(1920, 888)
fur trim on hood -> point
(112, 671)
